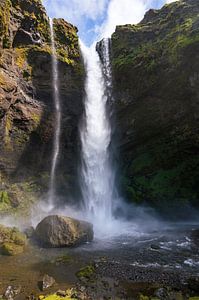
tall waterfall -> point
(57, 106)
(97, 174)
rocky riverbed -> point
(161, 264)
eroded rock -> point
(60, 231)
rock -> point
(195, 236)
(12, 241)
(155, 247)
(86, 273)
(47, 282)
(29, 232)
(59, 231)
(32, 297)
(193, 284)
(26, 101)
(11, 249)
(11, 292)
(156, 88)
(61, 293)
(162, 294)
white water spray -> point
(56, 140)
(97, 173)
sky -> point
(96, 19)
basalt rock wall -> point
(156, 86)
(26, 102)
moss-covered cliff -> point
(26, 103)
(156, 79)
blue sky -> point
(97, 18)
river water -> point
(168, 254)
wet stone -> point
(12, 291)
(61, 293)
(47, 282)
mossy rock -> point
(142, 297)
(4, 198)
(12, 235)
(70, 294)
(64, 259)
(56, 297)
(156, 106)
(86, 272)
(11, 249)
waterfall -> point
(97, 175)
(57, 106)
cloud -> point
(75, 10)
(123, 12)
(96, 19)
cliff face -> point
(26, 103)
(156, 80)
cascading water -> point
(56, 140)
(97, 174)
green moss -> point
(142, 162)
(66, 40)
(21, 55)
(142, 297)
(56, 297)
(11, 249)
(64, 259)
(13, 241)
(36, 118)
(86, 272)
(4, 198)
(148, 54)
(4, 23)
(17, 237)
(70, 294)
(194, 298)
(34, 11)
(63, 56)
(163, 176)
(5, 203)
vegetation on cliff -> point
(26, 99)
(155, 66)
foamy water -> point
(97, 174)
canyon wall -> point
(156, 86)
(27, 107)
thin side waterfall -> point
(57, 106)
(97, 175)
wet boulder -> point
(11, 292)
(59, 231)
(47, 282)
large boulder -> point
(59, 231)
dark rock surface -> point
(26, 100)
(156, 85)
(58, 231)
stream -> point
(168, 255)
